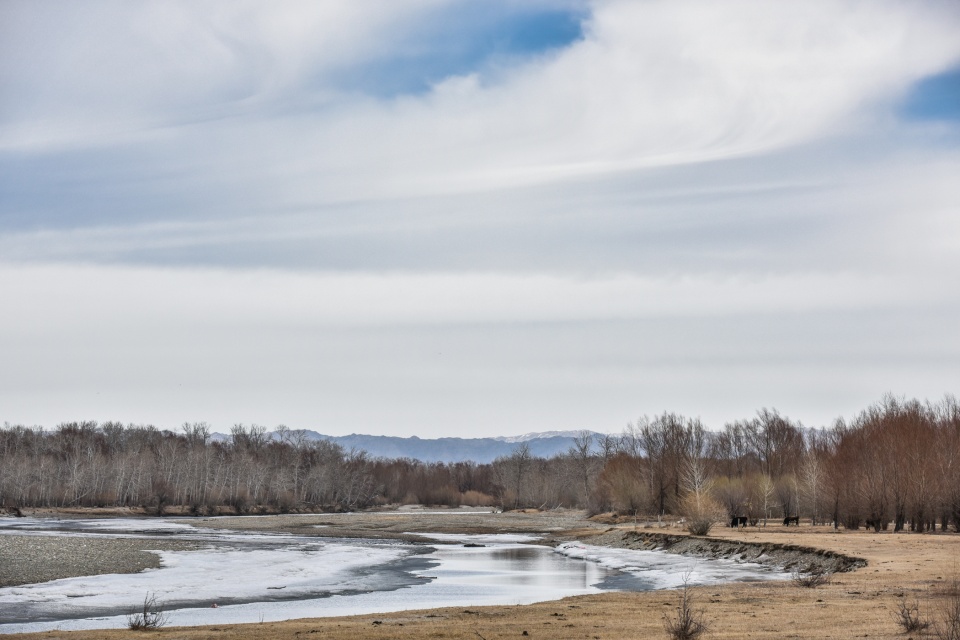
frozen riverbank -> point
(787, 557)
(260, 574)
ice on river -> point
(220, 575)
(480, 538)
(659, 570)
(254, 577)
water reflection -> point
(531, 568)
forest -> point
(896, 466)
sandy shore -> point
(855, 604)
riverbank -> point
(856, 603)
(784, 556)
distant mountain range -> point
(544, 445)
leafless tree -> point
(584, 463)
(511, 471)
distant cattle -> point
(738, 521)
(791, 519)
(875, 523)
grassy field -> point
(852, 605)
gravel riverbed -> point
(33, 559)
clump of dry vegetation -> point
(151, 617)
(908, 618)
(688, 622)
(812, 578)
(701, 514)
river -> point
(242, 576)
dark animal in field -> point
(791, 519)
(874, 523)
(738, 521)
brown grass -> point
(856, 604)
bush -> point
(151, 617)
(700, 526)
(702, 515)
(477, 499)
(907, 616)
(687, 623)
(812, 578)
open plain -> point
(857, 603)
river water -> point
(241, 576)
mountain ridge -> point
(481, 450)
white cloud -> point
(428, 353)
(652, 84)
(111, 73)
(700, 207)
(110, 296)
(887, 208)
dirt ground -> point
(852, 605)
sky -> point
(453, 218)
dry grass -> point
(856, 604)
(946, 623)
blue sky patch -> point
(466, 39)
(935, 98)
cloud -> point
(877, 204)
(227, 212)
(109, 73)
(103, 296)
(650, 84)
(426, 353)
(211, 120)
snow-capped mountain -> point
(527, 437)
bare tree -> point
(812, 479)
(765, 490)
(585, 464)
(511, 472)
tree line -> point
(83, 464)
(895, 465)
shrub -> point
(700, 526)
(907, 616)
(812, 578)
(151, 617)
(477, 499)
(687, 623)
(701, 514)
